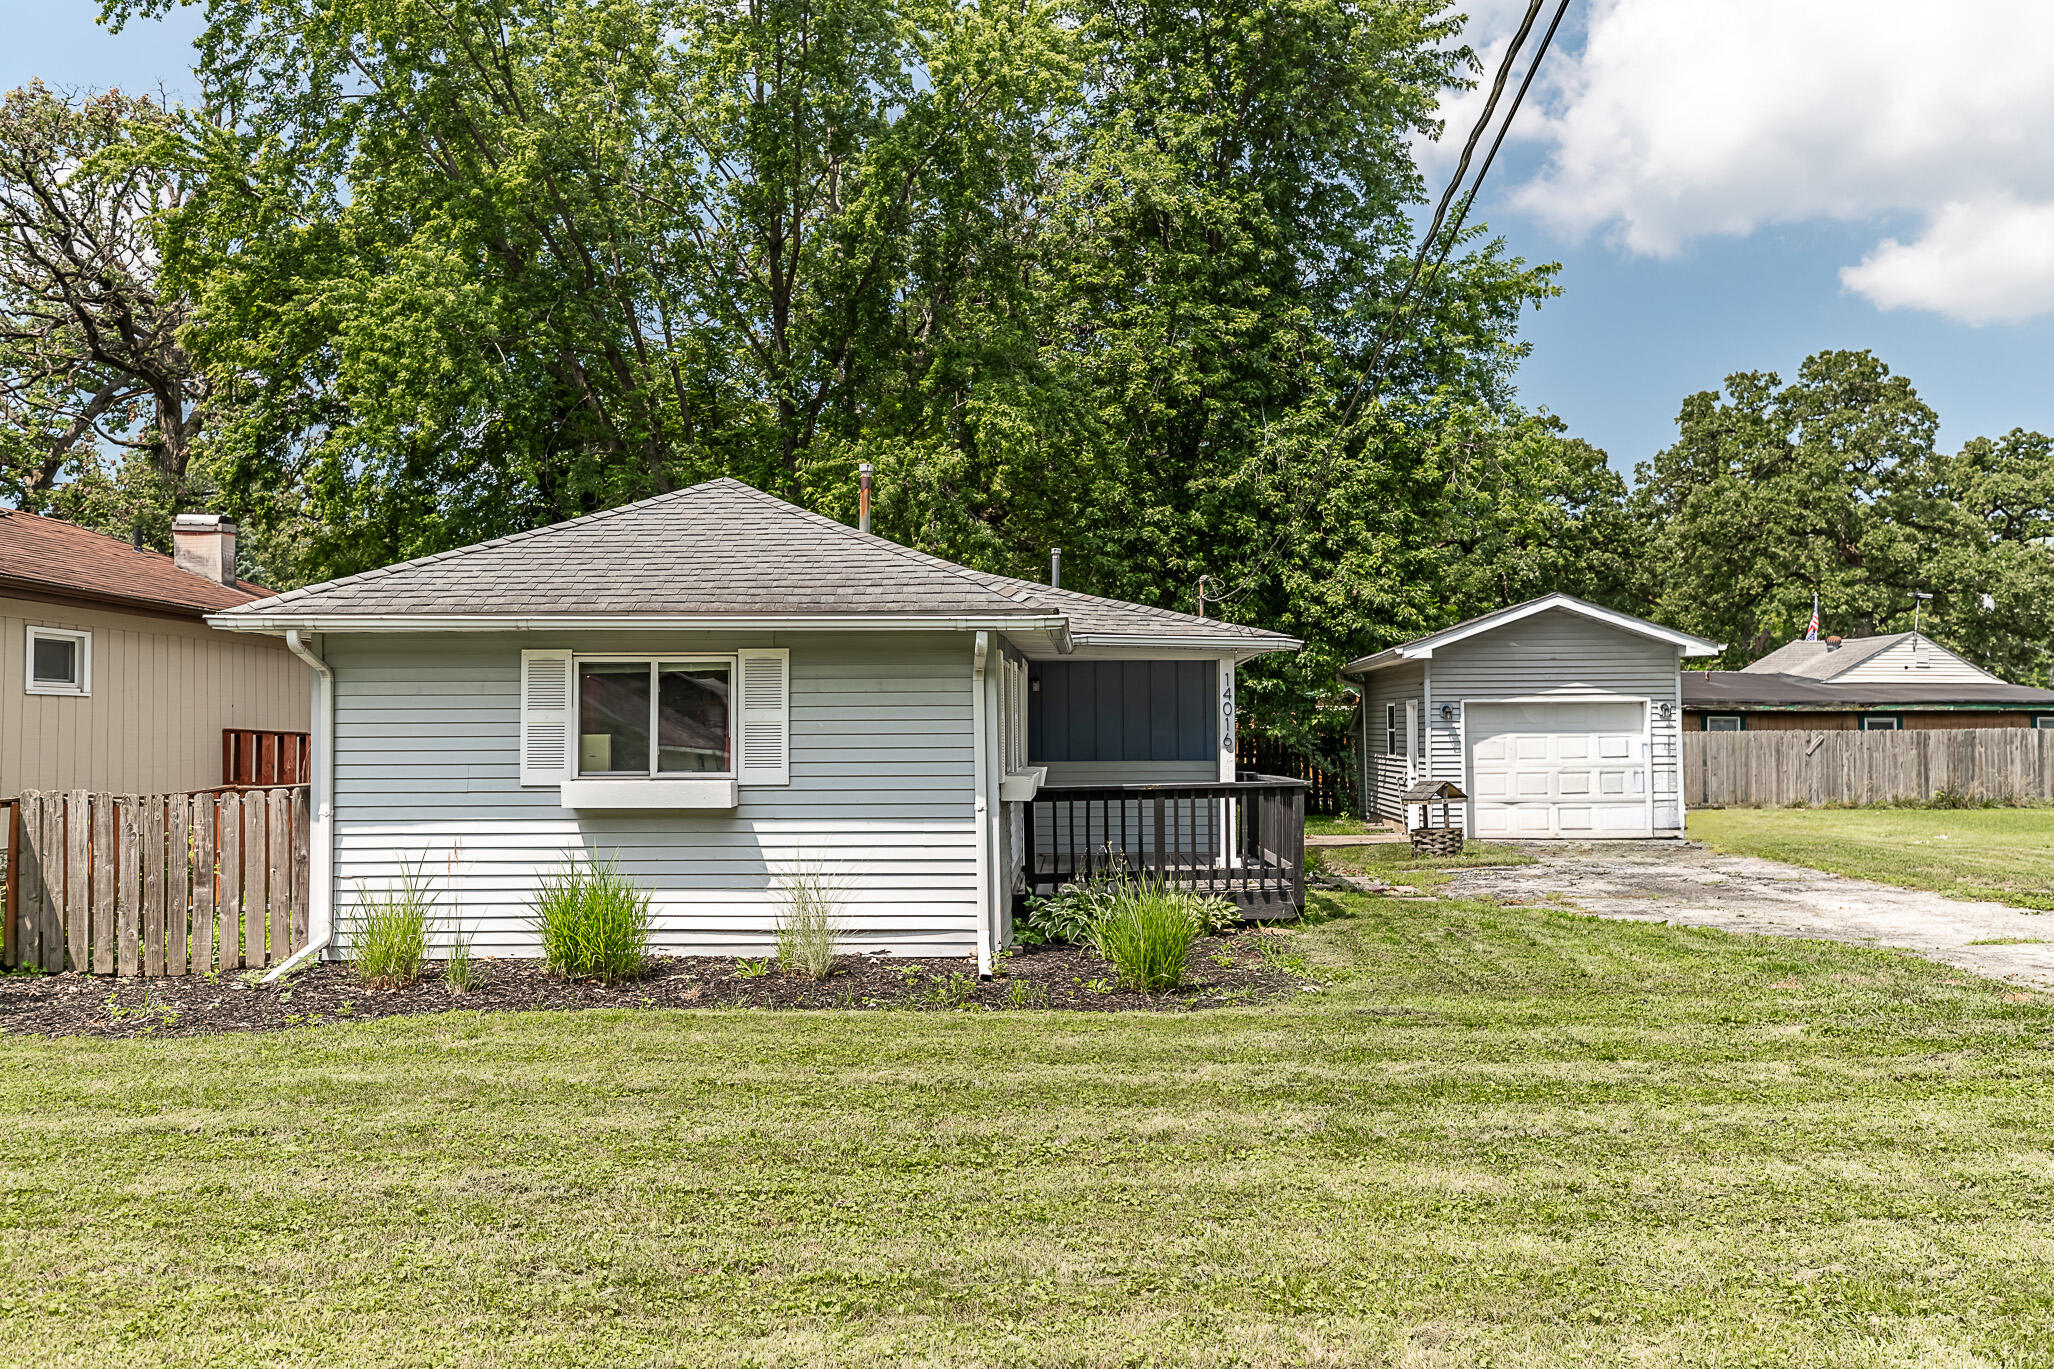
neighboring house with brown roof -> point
(110, 678)
(1902, 680)
(717, 687)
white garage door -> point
(1558, 769)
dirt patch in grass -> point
(1239, 967)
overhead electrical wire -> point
(1372, 372)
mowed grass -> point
(1493, 1136)
(2004, 854)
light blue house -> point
(716, 686)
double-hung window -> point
(60, 662)
(647, 717)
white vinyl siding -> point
(1918, 660)
(1560, 655)
(428, 770)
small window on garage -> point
(1723, 722)
(60, 661)
(1390, 729)
(1882, 722)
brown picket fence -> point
(157, 884)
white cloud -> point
(1676, 119)
(1980, 261)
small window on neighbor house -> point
(1722, 722)
(1882, 723)
(1390, 729)
(60, 662)
(2043, 720)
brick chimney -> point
(204, 543)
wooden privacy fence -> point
(1329, 785)
(157, 884)
(253, 757)
(1776, 768)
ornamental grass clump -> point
(1147, 933)
(388, 936)
(810, 922)
(593, 922)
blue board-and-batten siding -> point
(1099, 711)
(427, 772)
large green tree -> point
(1833, 485)
(1108, 275)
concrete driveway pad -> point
(1681, 882)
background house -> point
(716, 687)
(1904, 680)
(1557, 717)
(110, 679)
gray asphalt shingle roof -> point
(1818, 661)
(722, 548)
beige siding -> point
(163, 689)
(1918, 658)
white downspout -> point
(320, 841)
(981, 774)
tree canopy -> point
(1107, 275)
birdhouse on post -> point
(1427, 838)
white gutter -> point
(981, 776)
(320, 842)
(1056, 626)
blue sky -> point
(1707, 190)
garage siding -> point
(428, 775)
(1561, 655)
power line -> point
(1371, 376)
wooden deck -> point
(1244, 841)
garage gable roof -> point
(1423, 648)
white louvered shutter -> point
(548, 706)
(764, 717)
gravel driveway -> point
(1668, 881)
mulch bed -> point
(1233, 968)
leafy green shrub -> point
(1147, 935)
(388, 936)
(811, 922)
(1064, 917)
(594, 923)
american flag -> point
(1811, 633)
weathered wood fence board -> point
(157, 884)
(1777, 768)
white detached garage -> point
(1558, 717)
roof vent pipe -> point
(863, 497)
(1055, 567)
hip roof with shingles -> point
(720, 548)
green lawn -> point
(1494, 1136)
(2006, 854)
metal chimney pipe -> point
(863, 497)
(1055, 567)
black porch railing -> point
(1243, 841)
